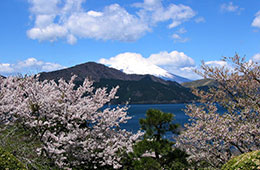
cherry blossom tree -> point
(214, 137)
(71, 122)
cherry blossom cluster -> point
(73, 124)
(215, 137)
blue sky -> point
(174, 35)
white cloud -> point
(154, 11)
(220, 64)
(178, 38)
(29, 63)
(173, 59)
(200, 19)
(189, 72)
(227, 65)
(28, 66)
(133, 63)
(176, 13)
(51, 66)
(42, 21)
(71, 39)
(230, 7)
(160, 64)
(95, 13)
(256, 57)
(67, 19)
(5, 68)
(51, 32)
(182, 31)
(114, 23)
(217, 63)
(40, 7)
(256, 21)
(175, 62)
(163, 63)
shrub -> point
(19, 141)
(246, 161)
(9, 161)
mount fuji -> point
(151, 69)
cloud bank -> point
(134, 63)
(163, 64)
(67, 19)
(28, 66)
(256, 57)
(256, 21)
(230, 7)
(160, 64)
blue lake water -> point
(138, 111)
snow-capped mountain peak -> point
(127, 63)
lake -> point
(138, 111)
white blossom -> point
(215, 137)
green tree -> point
(155, 151)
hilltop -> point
(139, 89)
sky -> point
(136, 36)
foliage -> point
(212, 137)
(246, 161)
(155, 151)
(19, 141)
(8, 161)
(73, 128)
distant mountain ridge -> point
(176, 78)
(200, 83)
(141, 89)
(95, 72)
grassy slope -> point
(247, 161)
(9, 161)
(22, 145)
(199, 83)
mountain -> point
(203, 84)
(93, 71)
(152, 70)
(141, 68)
(142, 89)
(147, 91)
(173, 77)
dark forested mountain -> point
(147, 90)
(134, 88)
(93, 71)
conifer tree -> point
(155, 150)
